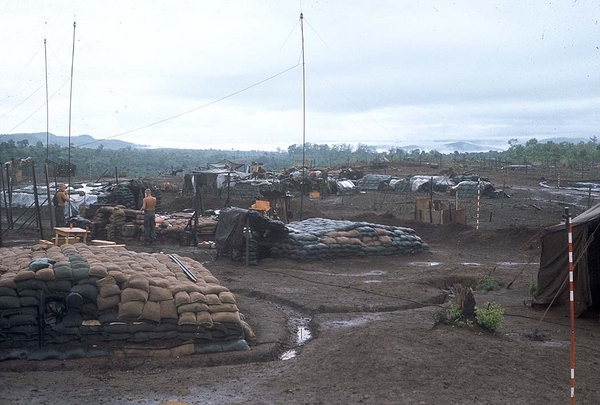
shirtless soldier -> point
(60, 198)
(149, 206)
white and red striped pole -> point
(571, 302)
(478, 200)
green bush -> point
(448, 315)
(490, 317)
(453, 312)
(487, 284)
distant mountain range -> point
(80, 141)
(471, 146)
(449, 147)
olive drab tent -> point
(553, 275)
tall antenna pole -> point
(70, 108)
(50, 206)
(47, 108)
(303, 184)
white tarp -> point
(24, 197)
(233, 177)
(418, 181)
(345, 185)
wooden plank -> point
(100, 242)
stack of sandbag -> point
(174, 227)
(111, 222)
(239, 253)
(91, 294)
(207, 224)
(135, 217)
(18, 304)
(318, 238)
(118, 217)
(100, 220)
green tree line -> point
(132, 162)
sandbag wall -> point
(319, 238)
(118, 222)
(97, 295)
(172, 228)
(111, 222)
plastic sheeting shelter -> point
(554, 265)
(422, 182)
(24, 197)
(373, 182)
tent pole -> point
(571, 302)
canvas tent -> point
(554, 263)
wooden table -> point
(64, 233)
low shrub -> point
(487, 284)
(490, 317)
(451, 315)
(454, 312)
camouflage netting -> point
(87, 294)
(319, 238)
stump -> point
(465, 300)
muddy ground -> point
(365, 325)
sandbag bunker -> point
(88, 296)
(318, 238)
(311, 239)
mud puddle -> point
(365, 274)
(303, 335)
(352, 322)
(424, 264)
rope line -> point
(21, 103)
(356, 105)
(193, 109)
(30, 115)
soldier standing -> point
(149, 206)
(59, 200)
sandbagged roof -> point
(318, 238)
(94, 294)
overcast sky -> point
(382, 73)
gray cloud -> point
(381, 72)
